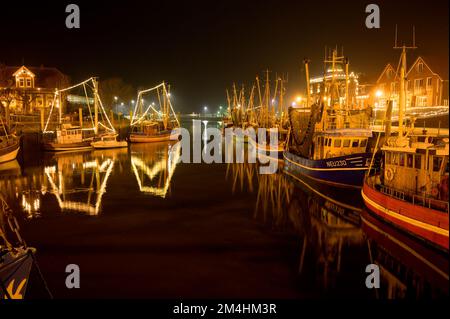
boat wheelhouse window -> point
(402, 159)
(346, 143)
(329, 142)
(387, 156)
(409, 160)
(437, 161)
(337, 142)
(355, 143)
(395, 158)
(326, 141)
(363, 143)
(418, 161)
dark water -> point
(139, 225)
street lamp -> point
(115, 100)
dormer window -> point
(24, 78)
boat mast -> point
(59, 108)
(346, 83)
(95, 83)
(306, 62)
(402, 97)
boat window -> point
(326, 141)
(395, 158)
(355, 143)
(402, 159)
(337, 142)
(409, 160)
(437, 161)
(363, 143)
(346, 143)
(417, 161)
(329, 142)
(388, 157)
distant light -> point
(168, 94)
(294, 104)
(205, 108)
(220, 107)
(115, 98)
(379, 93)
(121, 103)
(298, 99)
(132, 101)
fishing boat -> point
(328, 141)
(411, 189)
(157, 123)
(69, 137)
(16, 260)
(9, 145)
(108, 141)
(267, 117)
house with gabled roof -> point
(30, 88)
(424, 87)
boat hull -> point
(109, 144)
(10, 153)
(425, 223)
(342, 171)
(57, 147)
(163, 137)
(14, 273)
(267, 150)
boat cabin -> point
(330, 145)
(69, 134)
(421, 168)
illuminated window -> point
(355, 143)
(21, 82)
(28, 82)
(429, 82)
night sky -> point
(201, 47)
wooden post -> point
(42, 119)
(80, 116)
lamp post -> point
(115, 100)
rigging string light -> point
(96, 95)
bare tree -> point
(115, 87)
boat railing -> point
(416, 199)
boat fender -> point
(389, 174)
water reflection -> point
(78, 181)
(337, 238)
(153, 166)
